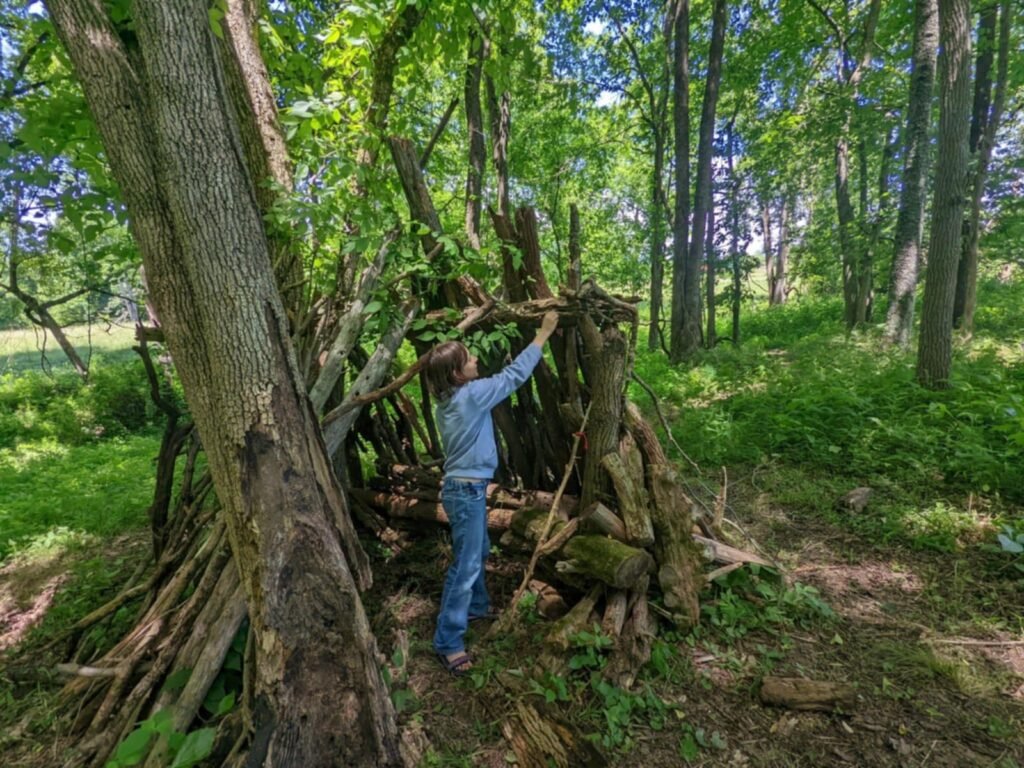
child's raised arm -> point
(487, 393)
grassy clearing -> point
(28, 349)
(98, 490)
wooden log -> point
(625, 468)
(575, 621)
(541, 738)
(607, 352)
(399, 507)
(607, 560)
(633, 649)
(808, 695)
(603, 520)
(614, 613)
(678, 558)
(550, 603)
(528, 523)
(644, 435)
(723, 553)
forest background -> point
(818, 207)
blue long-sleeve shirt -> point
(464, 419)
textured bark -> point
(985, 121)
(684, 336)
(477, 148)
(319, 695)
(607, 353)
(706, 149)
(627, 473)
(935, 348)
(266, 153)
(677, 556)
(910, 219)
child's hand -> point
(549, 322)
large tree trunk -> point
(935, 350)
(711, 337)
(984, 125)
(319, 695)
(684, 335)
(706, 142)
(910, 220)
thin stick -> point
(969, 641)
(508, 617)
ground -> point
(930, 640)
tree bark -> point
(477, 150)
(711, 337)
(319, 695)
(984, 126)
(935, 349)
(706, 147)
(734, 230)
(768, 243)
(910, 219)
(778, 281)
(684, 335)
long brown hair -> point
(444, 368)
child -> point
(464, 420)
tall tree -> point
(935, 349)
(706, 140)
(777, 283)
(171, 140)
(849, 76)
(910, 219)
(985, 119)
(475, 128)
(684, 335)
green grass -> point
(25, 349)
(98, 490)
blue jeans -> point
(465, 594)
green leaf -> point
(373, 306)
(133, 748)
(196, 747)
(177, 680)
(226, 705)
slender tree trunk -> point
(685, 325)
(849, 79)
(769, 247)
(657, 240)
(711, 337)
(778, 281)
(985, 121)
(935, 350)
(706, 141)
(477, 150)
(319, 695)
(910, 219)
(734, 231)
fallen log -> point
(807, 695)
(609, 561)
(723, 553)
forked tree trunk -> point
(477, 149)
(706, 142)
(984, 126)
(910, 220)
(935, 350)
(319, 695)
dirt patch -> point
(27, 588)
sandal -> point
(489, 616)
(457, 667)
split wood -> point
(508, 617)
